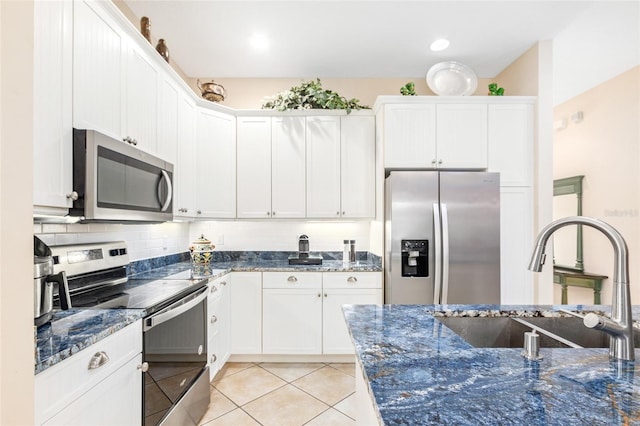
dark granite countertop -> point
(70, 331)
(420, 373)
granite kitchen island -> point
(416, 371)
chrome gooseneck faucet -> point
(620, 326)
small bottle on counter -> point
(352, 251)
(346, 253)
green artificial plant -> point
(494, 90)
(408, 89)
(310, 95)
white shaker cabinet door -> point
(462, 136)
(98, 71)
(184, 203)
(52, 130)
(288, 167)
(335, 334)
(215, 165)
(511, 143)
(117, 400)
(409, 136)
(141, 106)
(254, 167)
(292, 321)
(358, 160)
(516, 242)
(245, 304)
(168, 135)
(323, 167)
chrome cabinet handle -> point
(223, 283)
(292, 279)
(98, 360)
(73, 196)
(214, 319)
(144, 367)
(213, 289)
(352, 279)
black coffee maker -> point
(303, 257)
(43, 281)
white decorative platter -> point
(452, 78)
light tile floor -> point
(282, 394)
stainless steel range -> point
(176, 384)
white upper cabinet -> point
(511, 143)
(168, 134)
(253, 140)
(288, 167)
(358, 160)
(185, 171)
(142, 98)
(98, 71)
(432, 135)
(461, 135)
(341, 167)
(215, 165)
(323, 167)
(409, 135)
(52, 131)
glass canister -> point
(346, 253)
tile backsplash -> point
(155, 240)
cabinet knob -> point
(319, 295)
(343, 212)
(98, 360)
(433, 161)
(73, 196)
(292, 279)
(144, 367)
(214, 319)
(352, 279)
(325, 295)
(134, 142)
(214, 358)
(337, 213)
(273, 213)
(223, 283)
(213, 289)
(268, 213)
(439, 161)
(199, 212)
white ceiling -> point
(350, 39)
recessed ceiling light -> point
(439, 44)
(259, 41)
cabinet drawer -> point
(61, 384)
(306, 280)
(216, 286)
(352, 280)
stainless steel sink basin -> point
(504, 332)
(495, 332)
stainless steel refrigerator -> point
(442, 237)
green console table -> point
(578, 279)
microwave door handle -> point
(171, 312)
(167, 200)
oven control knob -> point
(144, 367)
(200, 349)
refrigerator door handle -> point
(437, 232)
(445, 254)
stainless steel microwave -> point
(117, 182)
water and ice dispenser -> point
(415, 258)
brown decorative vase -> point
(145, 28)
(163, 50)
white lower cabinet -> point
(245, 301)
(292, 313)
(71, 393)
(219, 323)
(302, 312)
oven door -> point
(176, 386)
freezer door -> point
(470, 209)
(409, 198)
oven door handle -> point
(176, 309)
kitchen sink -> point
(504, 332)
(496, 332)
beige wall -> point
(16, 199)
(605, 148)
(521, 77)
